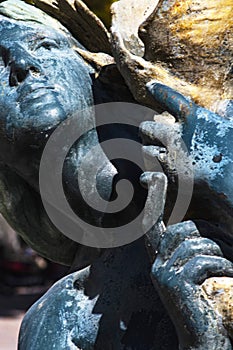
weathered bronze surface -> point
(113, 303)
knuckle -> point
(200, 244)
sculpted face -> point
(42, 78)
(42, 82)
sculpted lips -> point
(34, 90)
(40, 106)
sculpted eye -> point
(48, 45)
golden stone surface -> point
(188, 45)
(219, 293)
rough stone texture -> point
(188, 46)
(127, 48)
(129, 16)
(219, 292)
(193, 40)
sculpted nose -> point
(21, 64)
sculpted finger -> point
(175, 235)
(154, 157)
(172, 101)
(200, 268)
(183, 109)
(151, 152)
(159, 134)
(191, 248)
(152, 222)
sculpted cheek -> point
(75, 86)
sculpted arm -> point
(185, 259)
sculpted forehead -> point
(12, 31)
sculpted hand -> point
(207, 136)
(183, 262)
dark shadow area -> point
(24, 275)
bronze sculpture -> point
(104, 305)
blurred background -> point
(102, 9)
(24, 275)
